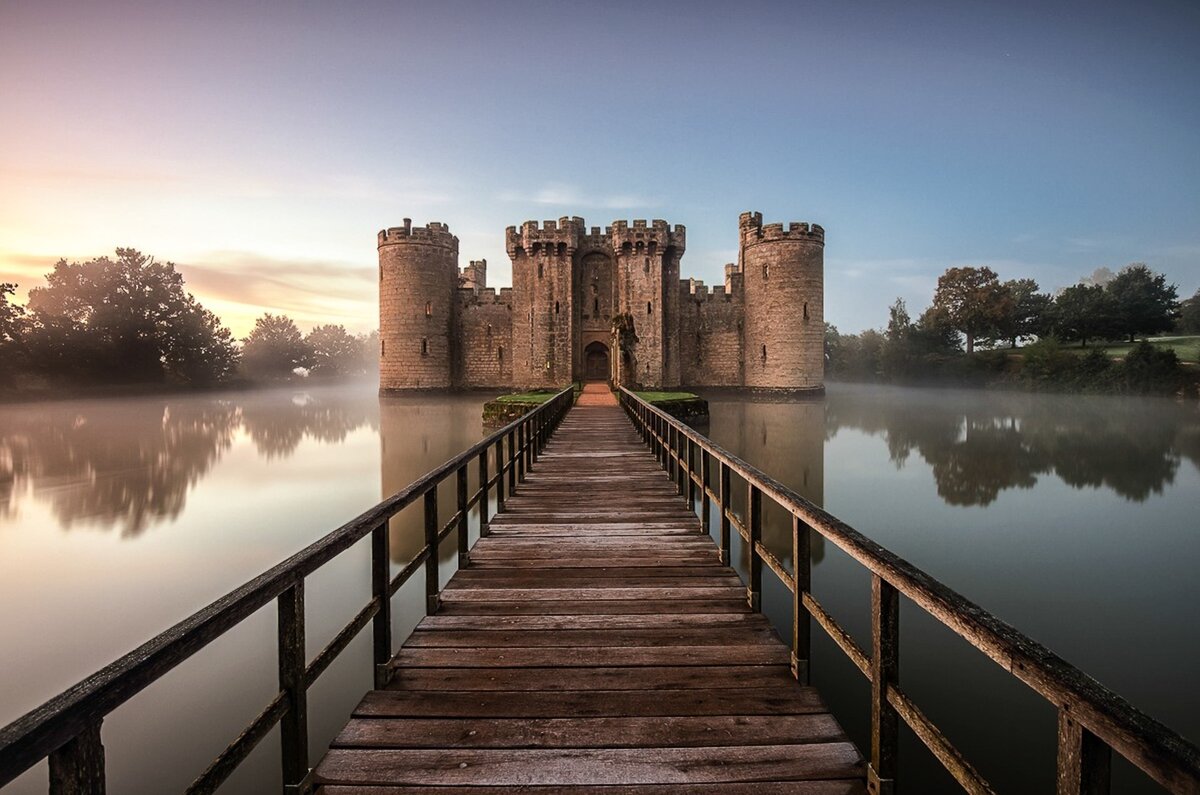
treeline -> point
(968, 333)
(129, 320)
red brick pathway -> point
(596, 394)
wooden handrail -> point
(66, 728)
(1092, 718)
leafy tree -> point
(1084, 312)
(125, 319)
(333, 351)
(833, 348)
(274, 348)
(971, 301)
(1029, 312)
(1189, 315)
(368, 352)
(1144, 302)
(12, 317)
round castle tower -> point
(783, 278)
(418, 274)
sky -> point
(261, 146)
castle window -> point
(562, 249)
(764, 353)
(500, 354)
(429, 309)
(806, 310)
(766, 271)
(556, 307)
(596, 307)
(382, 349)
(424, 346)
(649, 307)
(646, 265)
(380, 273)
(540, 274)
(489, 329)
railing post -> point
(293, 728)
(802, 584)
(77, 768)
(723, 500)
(535, 439)
(464, 541)
(754, 526)
(521, 452)
(1084, 760)
(431, 546)
(528, 425)
(511, 463)
(885, 669)
(381, 628)
(484, 497)
(689, 469)
(500, 475)
(705, 485)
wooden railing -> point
(67, 728)
(1092, 720)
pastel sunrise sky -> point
(260, 146)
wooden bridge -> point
(595, 640)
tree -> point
(12, 317)
(1083, 312)
(971, 301)
(1029, 312)
(275, 348)
(125, 319)
(1144, 302)
(1189, 315)
(333, 351)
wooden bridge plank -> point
(842, 787)
(723, 677)
(619, 732)
(532, 767)
(594, 644)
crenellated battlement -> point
(751, 230)
(485, 297)
(657, 234)
(435, 233)
(551, 238)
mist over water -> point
(1071, 517)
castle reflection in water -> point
(128, 464)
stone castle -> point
(602, 304)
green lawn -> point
(659, 397)
(1186, 348)
(534, 398)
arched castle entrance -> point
(595, 362)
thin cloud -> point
(561, 195)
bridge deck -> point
(594, 644)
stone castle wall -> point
(441, 328)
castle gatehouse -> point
(603, 304)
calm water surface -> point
(1072, 518)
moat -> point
(1071, 518)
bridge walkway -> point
(595, 644)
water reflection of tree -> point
(130, 463)
(980, 444)
(107, 464)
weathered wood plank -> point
(723, 677)
(657, 621)
(586, 594)
(534, 767)
(553, 607)
(620, 732)
(842, 787)
(581, 704)
(563, 638)
(587, 656)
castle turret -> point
(783, 282)
(647, 257)
(418, 278)
(543, 300)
